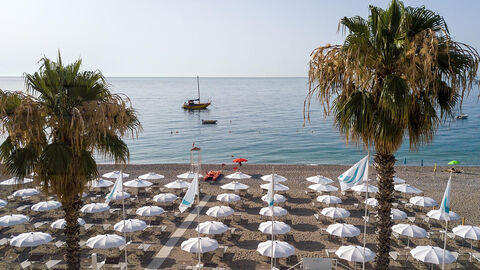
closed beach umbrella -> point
(235, 185)
(100, 183)
(423, 201)
(149, 211)
(165, 197)
(276, 212)
(343, 230)
(3, 203)
(95, 208)
(274, 227)
(199, 245)
(130, 225)
(409, 230)
(335, 212)
(211, 227)
(398, 214)
(355, 253)
(238, 176)
(322, 188)
(26, 192)
(319, 179)
(105, 241)
(228, 197)
(371, 202)
(178, 184)
(151, 176)
(45, 206)
(220, 211)
(363, 188)
(137, 183)
(30, 239)
(277, 198)
(276, 187)
(15, 181)
(277, 249)
(11, 220)
(60, 223)
(406, 188)
(439, 215)
(188, 175)
(429, 254)
(398, 180)
(115, 174)
(329, 199)
(277, 178)
(119, 195)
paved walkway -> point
(164, 252)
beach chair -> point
(462, 258)
(220, 252)
(434, 235)
(112, 261)
(397, 257)
(52, 263)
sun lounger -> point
(398, 257)
(4, 241)
(50, 264)
(330, 253)
(220, 252)
(59, 243)
(462, 258)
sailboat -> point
(195, 104)
(461, 115)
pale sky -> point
(217, 38)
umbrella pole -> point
(444, 244)
(273, 190)
(198, 223)
(365, 221)
(124, 231)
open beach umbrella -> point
(454, 162)
(363, 188)
(277, 211)
(276, 187)
(277, 198)
(26, 192)
(398, 214)
(177, 184)
(371, 202)
(130, 225)
(151, 176)
(406, 188)
(409, 230)
(220, 211)
(11, 220)
(277, 178)
(188, 175)
(335, 212)
(105, 241)
(429, 254)
(343, 230)
(3, 203)
(467, 232)
(100, 183)
(398, 180)
(119, 195)
(238, 176)
(60, 223)
(239, 160)
(211, 227)
(277, 249)
(274, 227)
(46, 205)
(322, 188)
(149, 211)
(235, 185)
(228, 197)
(115, 174)
(164, 197)
(137, 183)
(199, 245)
(30, 239)
(439, 215)
(423, 201)
(329, 199)
(15, 181)
(319, 179)
(94, 208)
(354, 253)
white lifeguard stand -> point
(195, 160)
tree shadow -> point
(304, 227)
(302, 212)
(309, 245)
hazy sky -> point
(186, 38)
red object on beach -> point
(235, 168)
(212, 174)
(239, 160)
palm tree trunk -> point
(72, 233)
(384, 164)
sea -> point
(262, 120)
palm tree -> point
(57, 127)
(398, 73)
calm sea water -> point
(261, 119)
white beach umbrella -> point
(3, 203)
(409, 230)
(84, 194)
(277, 198)
(398, 180)
(363, 188)
(130, 225)
(220, 211)
(276, 212)
(46, 206)
(199, 245)
(467, 231)
(26, 192)
(177, 184)
(188, 175)
(106, 241)
(211, 227)
(11, 220)
(151, 176)
(355, 253)
(343, 230)
(94, 208)
(137, 183)
(274, 227)
(329, 199)
(100, 183)
(423, 201)
(277, 249)
(429, 254)
(335, 212)
(60, 223)
(115, 174)
(371, 202)
(235, 185)
(119, 195)
(398, 214)
(438, 215)
(406, 188)
(15, 181)
(277, 178)
(149, 211)
(238, 176)
(30, 239)
(276, 187)
(228, 197)
(319, 179)
(164, 197)
(322, 188)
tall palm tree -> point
(56, 128)
(398, 73)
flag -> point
(356, 174)
(445, 205)
(189, 197)
(271, 191)
(117, 187)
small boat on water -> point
(462, 116)
(209, 122)
(212, 175)
(195, 104)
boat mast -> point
(198, 88)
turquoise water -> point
(261, 119)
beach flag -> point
(117, 187)
(355, 175)
(445, 206)
(271, 192)
(189, 197)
